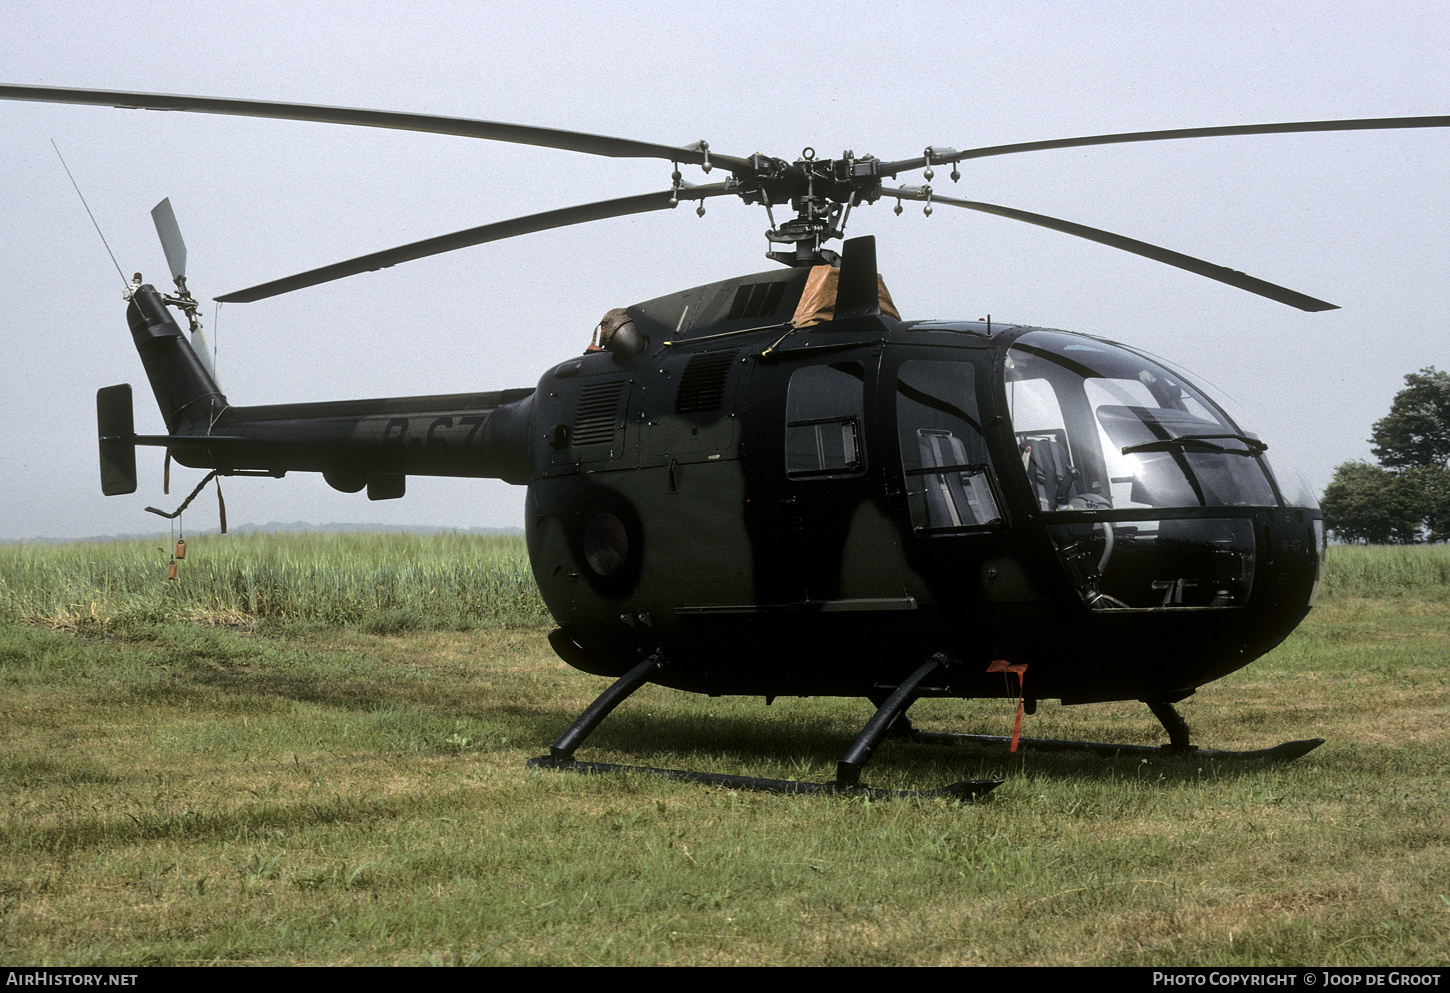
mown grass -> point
(294, 791)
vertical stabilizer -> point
(185, 389)
(117, 432)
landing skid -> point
(1173, 723)
(1279, 753)
(889, 720)
(848, 768)
(964, 789)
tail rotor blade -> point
(175, 248)
(170, 233)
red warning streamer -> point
(1001, 665)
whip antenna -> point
(73, 182)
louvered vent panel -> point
(597, 414)
(702, 385)
(756, 300)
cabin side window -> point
(1048, 454)
(825, 406)
(944, 459)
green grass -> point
(290, 790)
(1388, 570)
(391, 582)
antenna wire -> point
(124, 281)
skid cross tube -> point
(1173, 723)
(848, 769)
(561, 753)
(563, 749)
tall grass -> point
(403, 581)
(1388, 570)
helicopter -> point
(774, 485)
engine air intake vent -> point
(597, 415)
(756, 300)
(702, 385)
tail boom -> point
(355, 444)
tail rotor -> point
(175, 248)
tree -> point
(1417, 430)
(1406, 498)
(1369, 504)
(1433, 482)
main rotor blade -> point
(523, 134)
(475, 236)
(1363, 124)
(1221, 273)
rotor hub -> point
(820, 191)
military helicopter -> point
(775, 485)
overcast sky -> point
(1360, 219)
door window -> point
(825, 405)
(944, 459)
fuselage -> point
(779, 498)
(818, 510)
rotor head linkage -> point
(820, 191)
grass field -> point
(312, 751)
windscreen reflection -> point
(1101, 428)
